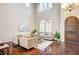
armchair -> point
(28, 42)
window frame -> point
(47, 24)
(45, 7)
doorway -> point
(71, 29)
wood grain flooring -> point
(56, 48)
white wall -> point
(64, 14)
(10, 16)
(53, 14)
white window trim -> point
(44, 6)
(46, 30)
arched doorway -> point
(71, 29)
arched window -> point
(46, 26)
(42, 26)
(49, 26)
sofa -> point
(46, 36)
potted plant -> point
(57, 36)
(33, 33)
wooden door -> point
(71, 28)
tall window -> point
(42, 26)
(46, 26)
(44, 6)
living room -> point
(18, 21)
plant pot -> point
(57, 39)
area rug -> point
(44, 44)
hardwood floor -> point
(56, 48)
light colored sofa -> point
(28, 42)
(47, 36)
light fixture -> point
(27, 4)
(70, 6)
